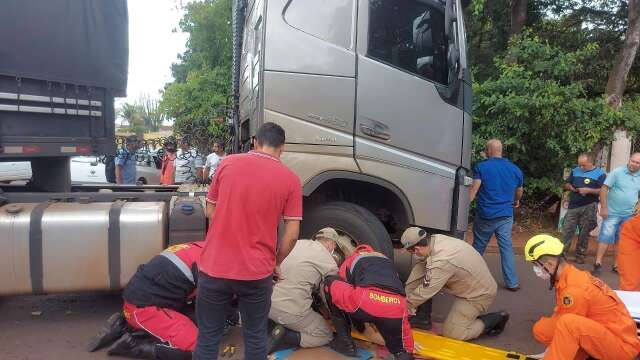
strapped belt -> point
(180, 264)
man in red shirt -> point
(249, 195)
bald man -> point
(497, 185)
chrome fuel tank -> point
(71, 247)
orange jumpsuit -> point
(628, 255)
(589, 320)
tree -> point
(198, 96)
(538, 106)
(152, 113)
(133, 115)
(519, 9)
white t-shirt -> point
(187, 164)
(212, 162)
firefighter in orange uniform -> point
(589, 319)
(628, 254)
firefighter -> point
(291, 302)
(628, 254)
(589, 319)
(157, 301)
(368, 289)
(452, 264)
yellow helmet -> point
(541, 245)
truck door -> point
(409, 127)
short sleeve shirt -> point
(186, 166)
(127, 162)
(623, 191)
(592, 179)
(500, 179)
(212, 163)
(252, 193)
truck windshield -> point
(409, 35)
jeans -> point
(583, 217)
(212, 304)
(610, 229)
(482, 231)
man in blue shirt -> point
(497, 182)
(126, 162)
(584, 185)
(618, 202)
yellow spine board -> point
(436, 347)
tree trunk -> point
(621, 148)
(518, 16)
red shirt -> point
(252, 192)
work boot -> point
(494, 323)
(111, 331)
(164, 352)
(422, 318)
(400, 356)
(342, 342)
(128, 346)
(283, 338)
(597, 270)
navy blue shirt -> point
(500, 179)
(593, 179)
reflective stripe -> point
(180, 264)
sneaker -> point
(597, 270)
(513, 289)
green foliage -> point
(197, 99)
(538, 106)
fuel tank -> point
(72, 247)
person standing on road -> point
(213, 159)
(589, 319)
(188, 164)
(302, 271)
(497, 183)
(584, 185)
(628, 255)
(168, 169)
(452, 264)
(618, 202)
(249, 195)
(126, 161)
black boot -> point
(494, 323)
(283, 338)
(402, 356)
(111, 331)
(342, 342)
(422, 318)
(164, 352)
(128, 346)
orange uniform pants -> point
(628, 254)
(575, 337)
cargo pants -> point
(583, 217)
(462, 322)
(314, 330)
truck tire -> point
(349, 219)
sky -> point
(153, 46)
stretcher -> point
(432, 346)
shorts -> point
(610, 229)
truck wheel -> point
(352, 220)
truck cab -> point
(375, 99)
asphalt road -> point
(59, 326)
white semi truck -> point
(375, 97)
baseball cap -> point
(326, 233)
(412, 236)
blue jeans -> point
(610, 229)
(482, 231)
(212, 304)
